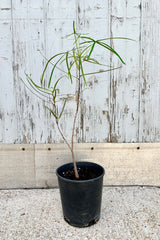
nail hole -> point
(49, 149)
(92, 148)
(23, 149)
(138, 148)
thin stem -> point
(77, 108)
(74, 122)
(60, 131)
(101, 71)
(66, 141)
(70, 148)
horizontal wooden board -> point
(34, 165)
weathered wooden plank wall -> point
(120, 106)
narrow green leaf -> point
(89, 38)
(54, 94)
(48, 63)
(74, 30)
(103, 39)
(59, 67)
(49, 83)
(72, 64)
(76, 41)
(51, 111)
(69, 57)
(55, 85)
(39, 91)
(120, 38)
(34, 92)
(75, 58)
(62, 108)
(86, 50)
(92, 60)
(83, 75)
(110, 49)
(55, 90)
(85, 42)
(68, 68)
(42, 89)
(91, 51)
(68, 35)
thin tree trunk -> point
(74, 123)
(71, 147)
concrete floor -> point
(128, 213)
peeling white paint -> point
(121, 106)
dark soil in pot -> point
(85, 173)
(81, 199)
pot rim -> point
(80, 181)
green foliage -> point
(75, 58)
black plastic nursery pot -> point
(81, 199)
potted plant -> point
(80, 182)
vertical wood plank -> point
(124, 98)
(28, 37)
(150, 62)
(7, 97)
(92, 18)
(59, 16)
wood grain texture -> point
(150, 62)
(124, 83)
(121, 106)
(34, 165)
(17, 168)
